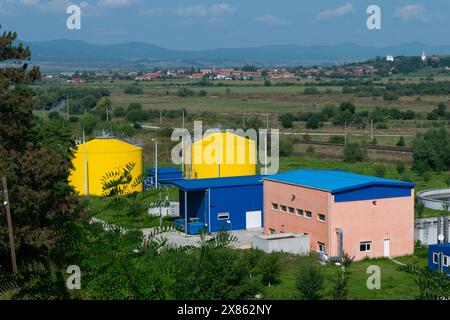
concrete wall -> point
(425, 231)
(282, 242)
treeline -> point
(346, 111)
(80, 98)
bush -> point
(337, 139)
(54, 115)
(310, 281)
(401, 142)
(134, 89)
(311, 91)
(203, 93)
(354, 153)
(400, 166)
(390, 96)
(286, 148)
(185, 92)
(310, 150)
(267, 83)
(287, 120)
(314, 122)
(380, 171)
(74, 119)
(119, 112)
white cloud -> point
(338, 12)
(216, 10)
(410, 12)
(271, 20)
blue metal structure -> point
(220, 203)
(344, 185)
(164, 174)
(439, 257)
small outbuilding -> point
(217, 204)
(163, 175)
(361, 215)
(439, 257)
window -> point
(445, 261)
(283, 208)
(321, 247)
(223, 216)
(365, 246)
(272, 231)
(435, 258)
(291, 210)
(274, 206)
(300, 212)
(308, 214)
(320, 217)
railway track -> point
(365, 146)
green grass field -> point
(395, 285)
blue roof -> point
(440, 245)
(334, 181)
(163, 170)
(203, 184)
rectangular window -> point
(320, 217)
(274, 206)
(291, 210)
(283, 208)
(272, 231)
(223, 216)
(445, 261)
(300, 212)
(365, 246)
(321, 247)
(435, 258)
(308, 214)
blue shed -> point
(439, 257)
(216, 204)
(164, 174)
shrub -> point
(390, 96)
(269, 267)
(286, 148)
(119, 112)
(74, 119)
(337, 139)
(311, 91)
(380, 171)
(203, 93)
(400, 166)
(134, 89)
(287, 120)
(401, 142)
(314, 122)
(310, 281)
(354, 153)
(267, 83)
(185, 92)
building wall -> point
(102, 156)
(442, 250)
(237, 201)
(374, 220)
(391, 218)
(312, 200)
(221, 154)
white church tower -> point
(423, 57)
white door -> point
(386, 247)
(253, 219)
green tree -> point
(310, 280)
(36, 159)
(431, 151)
(433, 285)
(339, 285)
(287, 120)
(353, 152)
(269, 267)
(401, 142)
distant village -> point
(380, 66)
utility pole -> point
(10, 229)
(156, 163)
(68, 110)
(371, 129)
(182, 151)
(345, 130)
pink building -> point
(342, 212)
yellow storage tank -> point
(221, 154)
(96, 157)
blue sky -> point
(201, 24)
